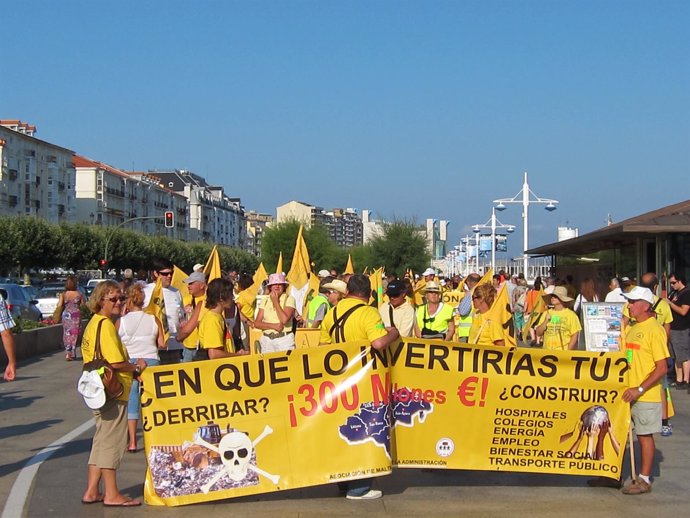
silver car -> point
(18, 302)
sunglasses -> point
(115, 299)
(672, 282)
(166, 274)
(475, 297)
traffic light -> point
(104, 263)
(169, 219)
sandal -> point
(127, 503)
(69, 357)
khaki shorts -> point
(110, 439)
(646, 417)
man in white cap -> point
(323, 274)
(198, 268)
(645, 345)
(194, 308)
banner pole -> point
(632, 453)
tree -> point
(401, 245)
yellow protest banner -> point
(452, 297)
(461, 406)
(218, 429)
(238, 426)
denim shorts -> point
(133, 407)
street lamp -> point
(492, 224)
(524, 197)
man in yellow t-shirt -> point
(351, 320)
(645, 345)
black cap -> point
(395, 288)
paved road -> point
(42, 407)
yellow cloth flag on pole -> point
(177, 282)
(156, 307)
(376, 279)
(298, 276)
(500, 310)
(487, 277)
(212, 268)
(260, 275)
(279, 266)
(349, 268)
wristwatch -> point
(640, 389)
(137, 372)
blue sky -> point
(412, 109)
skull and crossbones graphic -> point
(235, 450)
(596, 425)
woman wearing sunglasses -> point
(434, 319)
(110, 439)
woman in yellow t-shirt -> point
(110, 439)
(561, 325)
(214, 335)
(275, 316)
(485, 330)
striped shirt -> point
(6, 321)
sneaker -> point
(681, 385)
(637, 487)
(372, 494)
(614, 483)
(667, 430)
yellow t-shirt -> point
(645, 344)
(192, 341)
(563, 324)
(247, 303)
(214, 334)
(363, 323)
(111, 349)
(270, 315)
(484, 331)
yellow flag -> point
(298, 276)
(670, 410)
(177, 281)
(312, 291)
(212, 268)
(500, 310)
(376, 279)
(260, 275)
(487, 277)
(279, 266)
(349, 268)
(156, 307)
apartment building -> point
(36, 177)
(256, 226)
(343, 225)
(213, 216)
(111, 197)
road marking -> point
(14, 506)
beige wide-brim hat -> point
(432, 287)
(558, 291)
(337, 285)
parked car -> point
(18, 302)
(48, 296)
(90, 285)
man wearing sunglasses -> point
(679, 300)
(163, 270)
